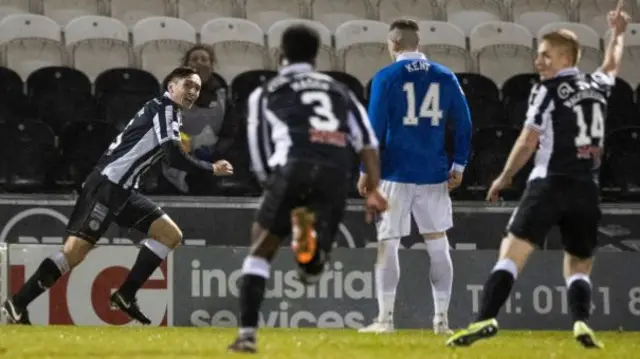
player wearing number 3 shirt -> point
(410, 103)
(565, 124)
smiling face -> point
(185, 91)
(200, 59)
(557, 51)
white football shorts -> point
(430, 205)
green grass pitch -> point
(40, 342)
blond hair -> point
(566, 39)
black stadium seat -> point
(81, 145)
(491, 147)
(483, 98)
(515, 97)
(478, 88)
(12, 97)
(243, 84)
(60, 95)
(4, 159)
(621, 163)
(31, 145)
(121, 92)
(354, 85)
(622, 112)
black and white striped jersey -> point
(304, 115)
(152, 134)
(569, 111)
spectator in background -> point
(206, 126)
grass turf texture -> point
(40, 342)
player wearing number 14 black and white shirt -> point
(565, 121)
(302, 129)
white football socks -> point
(387, 277)
(440, 274)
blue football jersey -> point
(410, 103)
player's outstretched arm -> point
(460, 113)
(618, 21)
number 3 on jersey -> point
(596, 130)
(429, 106)
(324, 119)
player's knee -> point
(75, 250)
(577, 264)
(388, 251)
(165, 231)
(433, 236)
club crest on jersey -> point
(565, 90)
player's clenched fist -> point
(222, 168)
(375, 204)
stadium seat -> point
(418, 10)
(4, 160)
(239, 45)
(631, 58)
(445, 43)
(161, 43)
(98, 43)
(325, 60)
(621, 164)
(515, 96)
(483, 99)
(130, 12)
(622, 111)
(265, 13)
(591, 57)
(32, 148)
(63, 11)
(501, 50)
(198, 12)
(30, 42)
(333, 13)
(60, 95)
(12, 96)
(13, 7)
(354, 85)
(478, 87)
(593, 13)
(243, 84)
(362, 48)
(81, 145)
(491, 147)
(121, 92)
(534, 14)
(467, 14)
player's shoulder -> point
(440, 69)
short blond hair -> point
(567, 39)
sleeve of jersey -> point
(540, 108)
(361, 135)
(168, 133)
(379, 106)
(603, 79)
(461, 114)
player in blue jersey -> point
(410, 103)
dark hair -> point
(300, 43)
(207, 49)
(404, 24)
(178, 74)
